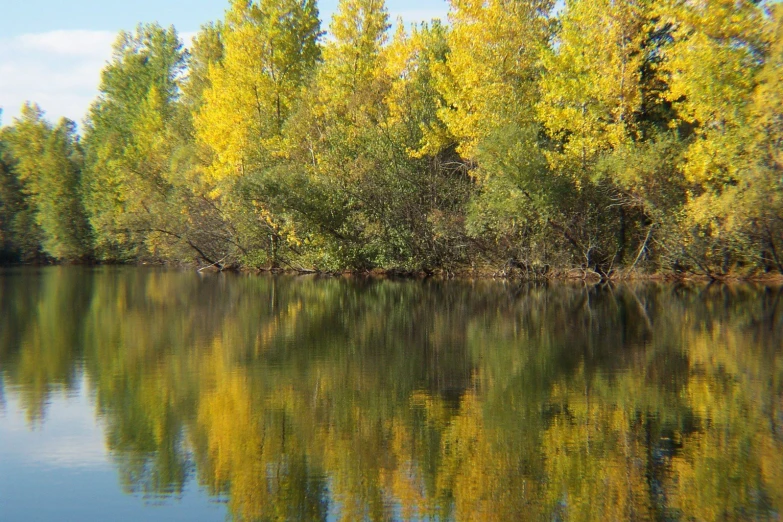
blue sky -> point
(52, 51)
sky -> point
(52, 51)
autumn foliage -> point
(525, 136)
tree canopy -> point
(605, 137)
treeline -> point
(607, 136)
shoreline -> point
(488, 274)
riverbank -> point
(571, 274)
(486, 273)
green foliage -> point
(600, 136)
(12, 206)
(141, 195)
(47, 166)
(129, 141)
(207, 51)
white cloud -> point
(187, 38)
(58, 70)
(69, 43)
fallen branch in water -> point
(216, 263)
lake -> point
(150, 394)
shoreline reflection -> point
(311, 399)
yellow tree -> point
(491, 74)
(346, 86)
(717, 48)
(597, 101)
(490, 86)
(269, 50)
(411, 61)
(359, 30)
(592, 90)
(331, 141)
(763, 187)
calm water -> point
(140, 394)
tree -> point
(607, 132)
(48, 166)
(131, 135)
(711, 62)
(328, 139)
(11, 204)
(358, 30)
(206, 51)
(493, 84)
(489, 93)
(592, 86)
(748, 209)
(269, 51)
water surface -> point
(143, 394)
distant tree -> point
(18, 233)
(48, 165)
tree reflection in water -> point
(301, 398)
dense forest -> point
(526, 136)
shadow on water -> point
(306, 398)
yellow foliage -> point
(591, 87)
(493, 84)
(252, 90)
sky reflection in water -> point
(142, 394)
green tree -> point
(49, 165)
(132, 133)
(12, 204)
(206, 51)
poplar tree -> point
(269, 51)
(132, 132)
(716, 51)
(597, 94)
(592, 83)
(489, 84)
(749, 209)
(490, 79)
(334, 138)
(48, 166)
(359, 30)
(206, 51)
